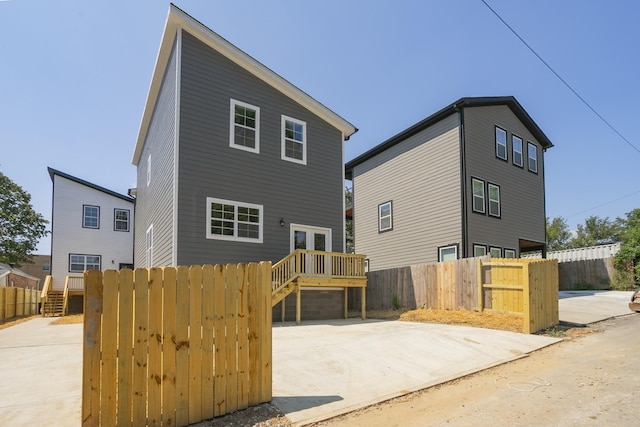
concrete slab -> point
(584, 307)
(41, 374)
(321, 370)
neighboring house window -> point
(478, 195)
(385, 217)
(294, 140)
(494, 200)
(501, 143)
(149, 251)
(495, 252)
(479, 250)
(230, 220)
(509, 253)
(448, 253)
(90, 216)
(245, 126)
(79, 263)
(121, 220)
(516, 143)
(149, 170)
(533, 157)
(46, 266)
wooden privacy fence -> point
(526, 286)
(17, 302)
(175, 346)
(586, 274)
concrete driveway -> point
(320, 369)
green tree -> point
(558, 234)
(348, 200)
(596, 231)
(20, 226)
(628, 258)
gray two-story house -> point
(234, 163)
(466, 181)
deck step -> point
(54, 304)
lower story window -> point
(448, 253)
(495, 252)
(509, 253)
(479, 250)
(79, 263)
(231, 220)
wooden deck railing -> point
(74, 283)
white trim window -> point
(385, 216)
(149, 170)
(149, 247)
(509, 253)
(478, 195)
(90, 216)
(447, 253)
(294, 140)
(494, 200)
(244, 133)
(121, 219)
(532, 152)
(231, 220)
(516, 148)
(495, 252)
(479, 250)
(501, 143)
(78, 263)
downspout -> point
(463, 183)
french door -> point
(313, 239)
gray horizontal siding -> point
(304, 194)
(421, 175)
(521, 191)
(154, 204)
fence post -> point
(480, 283)
(91, 349)
(526, 298)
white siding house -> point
(91, 228)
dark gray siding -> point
(521, 191)
(308, 194)
(154, 204)
(421, 176)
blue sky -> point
(74, 77)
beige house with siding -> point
(466, 181)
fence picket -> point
(182, 346)
(154, 375)
(169, 346)
(208, 296)
(109, 350)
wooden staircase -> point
(54, 304)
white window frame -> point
(148, 170)
(495, 252)
(382, 217)
(116, 220)
(494, 201)
(84, 262)
(149, 247)
(441, 249)
(235, 220)
(500, 144)
(483, 249)
(509, 253)
(516, 153)
(283, 151)
(85, 216)
(533, 168)
(233, 124)
(475, 196)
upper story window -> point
(46, 266)
(121, 219)
(230, 220)
(90, 216)
(149, 246)
(478, 195)
(494, 200)
(532, 152)
(516, 144)
(79, 263)
(501, 143)
(149, 170)
(385, 217)
(245, 126)
(294, 140)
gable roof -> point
(177, 19)
(486, 101)
(6, 269)
(53, 172)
